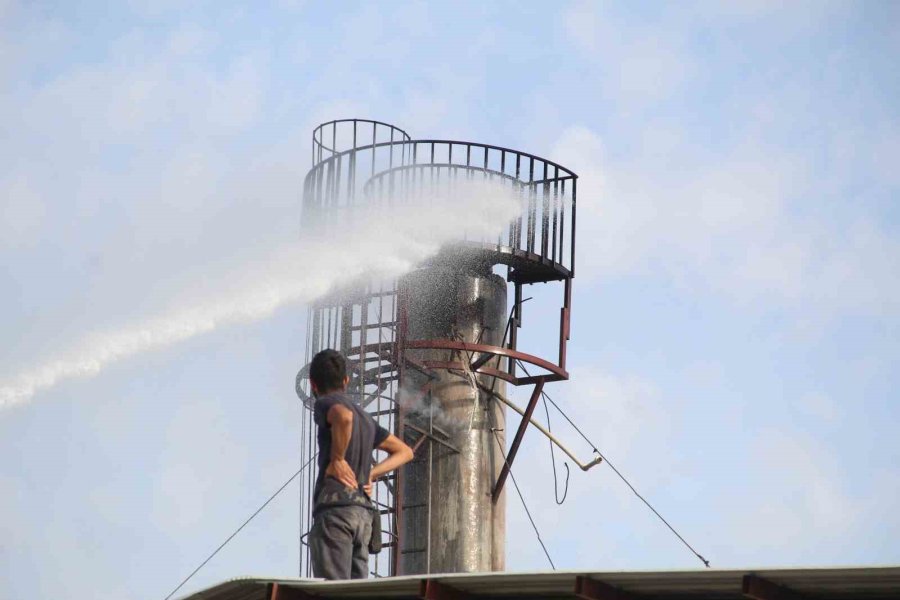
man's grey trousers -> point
(339, 542)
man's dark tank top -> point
(367, 435)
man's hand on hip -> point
(341, 470)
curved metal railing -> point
(542, 236)
(350, 134)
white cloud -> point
(820, 406)
(639, 64)
(792, 502)
(181, 493)
(21, 212)
(786, 495)
(728, 225)
(135, 96)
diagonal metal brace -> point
(517, 440)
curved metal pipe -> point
(584, 466)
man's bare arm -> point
(341, 420)
(398, 455)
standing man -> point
(347, 436)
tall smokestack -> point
(449, 521)
(432, 350)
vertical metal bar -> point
(390, 196)
(428, 483)
(514, 326)
(545, 213)
(391, 153)
(403, 153)
(518, 226)
(317, 185)
(300, 500)
(562, 221)
(399, 353)
(337, 327)
(396, 420)
(532, 207)
(374, 138)
(378, 374)
(407, 177)
(564, 322)
(319, 344)
(336, 192)
(432, 173)
(555, 210)
(572, 241)
(328, 169)
(328, 340)
(363, 334)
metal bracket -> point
(431, 589)
(591, 589)
(757, 588)
(584, 466)
(424, 433)
(276, 591)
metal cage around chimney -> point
(401, 360)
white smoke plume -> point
(383, 242)
(417, 405)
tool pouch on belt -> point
(375, 538)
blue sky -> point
(735, 308)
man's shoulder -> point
(329, 400)
(324, 403)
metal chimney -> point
(433, 351)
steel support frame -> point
(556, 372)
(277, 591)
(402, 319)
(517, 440)
(432, 589)
(591, 589)
(758, 588)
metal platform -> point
(844, 583)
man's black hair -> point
(328, 370)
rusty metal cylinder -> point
(449, 522)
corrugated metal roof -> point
(709, 584)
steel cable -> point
(553, 463)
(518, 491)
(238, 530)
(616, 471)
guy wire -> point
(236, 531)
(616, 471)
